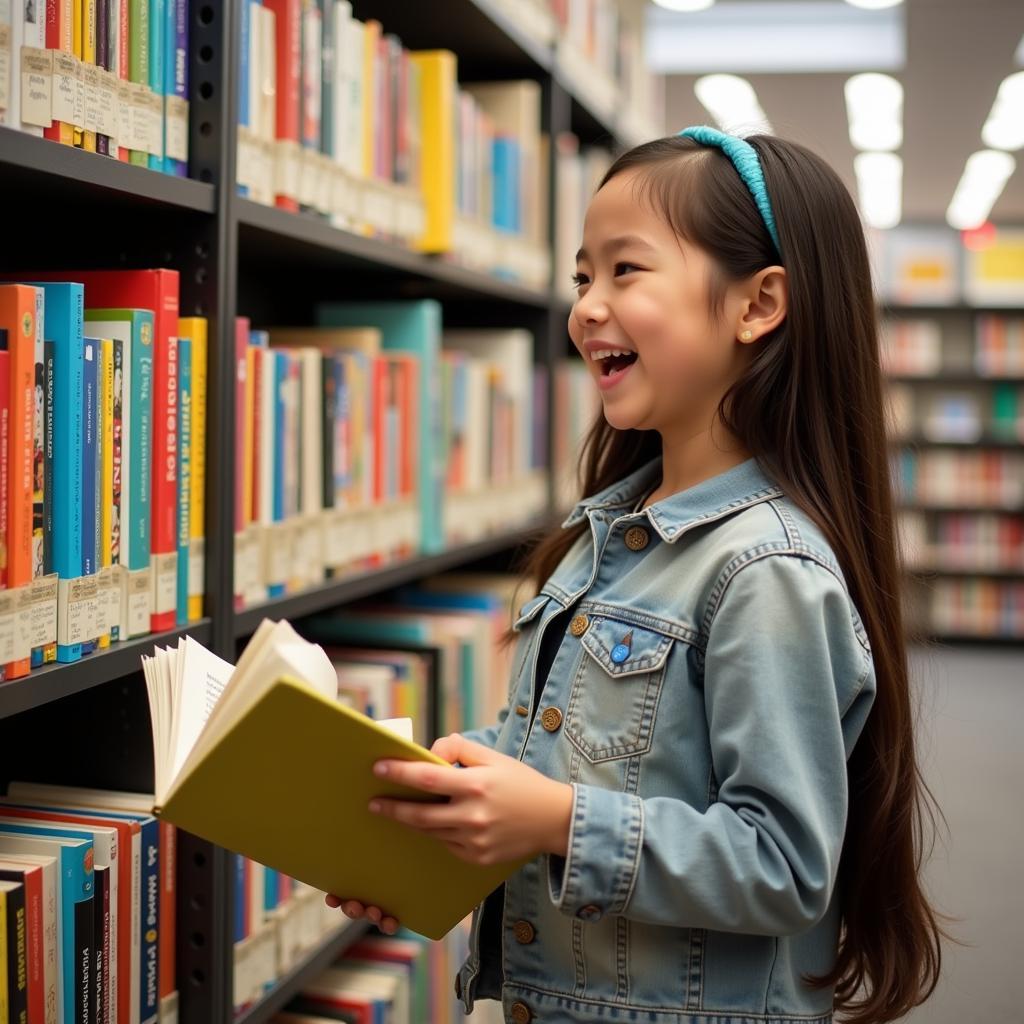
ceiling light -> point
(1004, 128)
(873, 5)
(874, 109)
(983, 180)
(732, 102)
(685, 5)
(880, 188)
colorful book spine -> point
(64, 312)
(195, 330)
(88, 56)
(138, 60)
(103, 60)
(105, 458)
(5, 411)
(288, 63)
(18, 317)
(184, 473)
(175, 85)
(90, 422)
(244, 59)
(437, 102)
(42, 537)
(117, 451)
(60, 38)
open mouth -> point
(616, 363)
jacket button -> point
(521, 1013)
(551, 719)
(579, 624)
(636, 538)
(524, 932)
(591, 912)
(458, 986)
(522, 711)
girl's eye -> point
(624, 268)
(579, 280)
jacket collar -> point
(736, 488)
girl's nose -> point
(590, 308)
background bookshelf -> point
(88, 722)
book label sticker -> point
(36, 79)
(107, 104)
(65, 86)
(286, 169)
(5, 66)
(110, 597)
(43, 611)
(139, 116)
(78, 602)
(196, 567)
(165, 582)
(91, 97)
(7, 627)
(137, 601)
(125, 123)
(79, 119)
(177, 128)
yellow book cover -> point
(106, 456)
(437, 133)
(195, 328)
(371, 38)
(88, 56)
(282, 773)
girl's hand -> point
(499, 809)
(356, 910)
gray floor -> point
(971, 739)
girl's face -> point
(643, 290)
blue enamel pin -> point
(620, 652)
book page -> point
(201, 678)
(399, 726)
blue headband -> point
(745, 160)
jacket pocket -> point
(616, 690)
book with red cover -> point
(31, 876)
(289, 79)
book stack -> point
(88, 877)
(577, 404)
(401, 979)
(336, 117)
(377, 437)
(103, 475)
(578, 171)
(106, 76)
(599, 53)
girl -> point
(708, 747)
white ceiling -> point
(957, 53)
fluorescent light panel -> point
(1004, 128)
(747, 37)
(874, 109)
(733, 104)
(985, 175)
(879, 188)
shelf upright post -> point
(208, 288)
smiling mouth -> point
(611, 364)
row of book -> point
(103, 393)
(972, 607)
(399, 979)
(337, 117)
(379, 436)
(963, 542)
(578, 172)
(87, 908)
(962, 415)
(106, 76)
(985, 478)
(917, 347)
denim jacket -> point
(702, 703)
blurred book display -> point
(264, 760)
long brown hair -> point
(810, 408)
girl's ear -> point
(766, 303)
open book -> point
(262, 759)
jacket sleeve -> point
(788, 683)
(488, 734)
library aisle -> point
(971, 705)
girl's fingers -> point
(332, 901)
(389, 925)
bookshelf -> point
(88, 722)
(960, 479)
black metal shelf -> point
(280, 239)
(918, 441)
(32, 164)
(353, 588)
(940, 509)
(55, 681)
(318, 959)
(951, 377)
(953, 572)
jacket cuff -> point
(605, 840)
